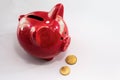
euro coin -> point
(65, 70)
(71, 59)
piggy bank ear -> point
(21, 16)
(56, 10)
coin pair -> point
(71, 60)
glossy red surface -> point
(43, 34)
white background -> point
(94, 26)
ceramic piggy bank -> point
(43, 34)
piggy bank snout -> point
(66, 43)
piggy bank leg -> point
(48, 59)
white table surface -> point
(94, 26)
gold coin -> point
(65, 70)
(71, 59)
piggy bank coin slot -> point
(35, 17)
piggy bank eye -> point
(61, 38)
(35, 17)
(65, 33)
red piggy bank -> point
(43, 34)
